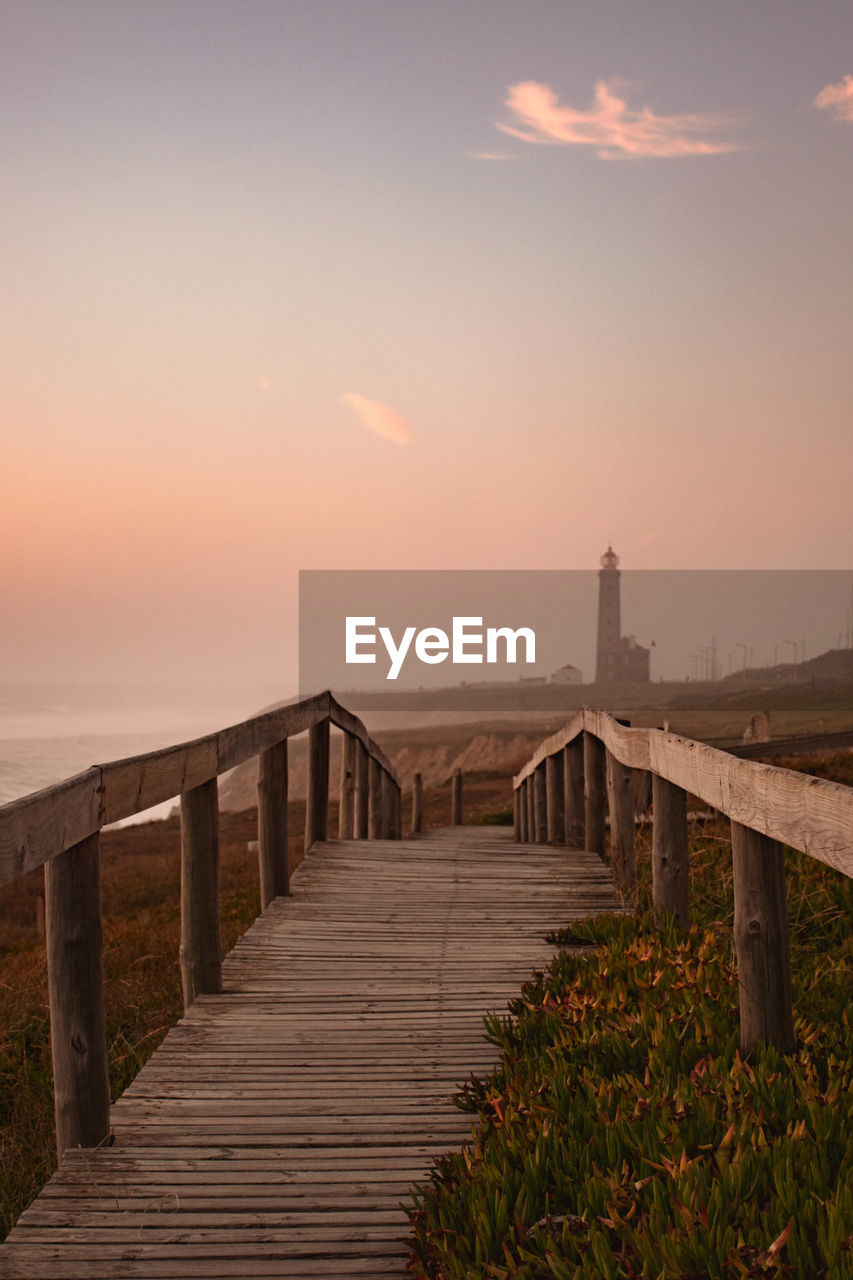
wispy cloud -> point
(837, 98)
(610, 124)
(379, 418)
(490, 155)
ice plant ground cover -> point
(623, 1135)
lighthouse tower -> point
(609, 621)
(619, 659)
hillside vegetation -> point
(623, 1135)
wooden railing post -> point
(317, 797)
(761, 941)
(516, 816)
(670, 891)
(594, 792)
(521, 792)
(201, 947)
(396, 809)
(530, 806)
(555, 799)
(374, 824)
(620, 802)
(574, 793)
(346, 799)
(456, 799)
(540, 805)
(417, 804)
(77, 1025)
(362, 790)
(272, 823)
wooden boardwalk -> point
(279, 1126)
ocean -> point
(49, 732)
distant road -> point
(793, 746)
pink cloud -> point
(379, 418)
(837, 98)
(610, 124)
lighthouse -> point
(619, 659)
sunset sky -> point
(307, 284)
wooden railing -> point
(59, 827)
(560, 797)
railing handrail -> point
(806, 813)
(38, 827)
(59, 827)
(560, 797)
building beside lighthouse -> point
(619, 659)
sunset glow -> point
(300, 286)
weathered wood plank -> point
(282, 1121)
(362, 791)
(76, 985)
(620, 802)
(346, 792)
(133, 785)
(456, 798)
(555, 799)
(806, 813)
(201, 947)
(417, 804)
(595, 791)
(761, 941)
(42, 825)
(317, 802)
(272, 823)
(670, 863)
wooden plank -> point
(670, 862)
(417, 804)
(135, 784)
(573, 793)
(761, 941)
(76, 985)
(344, 719)
(806, 813)
(279, 1126)
(201, 947)
(346, 793)
(374, 805)
(540, 806)
(555, 803)
(40, 826)
(272, 823)
(317, 802)
(792, 808)
(240, 742)
(595, 790)
(362, 791)
(620, 802)
(456, 798)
